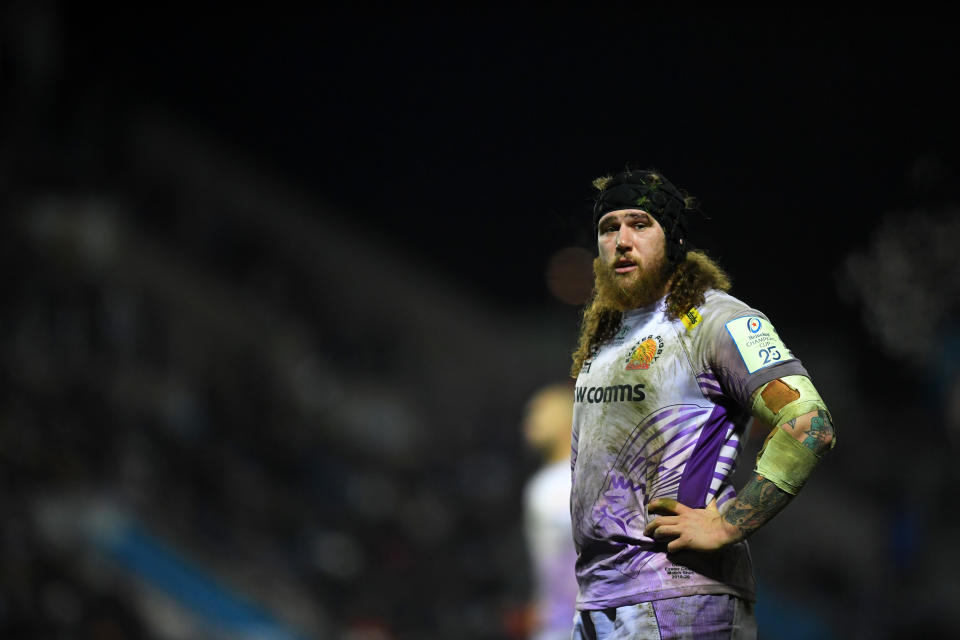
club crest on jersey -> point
(644, 352)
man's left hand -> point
(693, 529)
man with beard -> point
(670, 369)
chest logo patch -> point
(644, 352)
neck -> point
(559, 452)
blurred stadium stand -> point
(256, 381)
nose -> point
(623, 242)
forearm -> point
(755, 505)
(761, 498)
(707, 530)
(787, 458)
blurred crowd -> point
(341, 448)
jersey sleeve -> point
(743, 350)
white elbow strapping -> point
(807, 401)
(785, 462)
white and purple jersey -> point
(659, 412)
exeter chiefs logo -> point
(644, 352)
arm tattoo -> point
(789, 426)
(821, 433)
(817, 436)
(757, 503)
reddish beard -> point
(644, 286)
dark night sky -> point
(472, 136)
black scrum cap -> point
(649, 190)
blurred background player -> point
(547, 427)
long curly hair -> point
(690, 280)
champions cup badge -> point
(644, 352)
